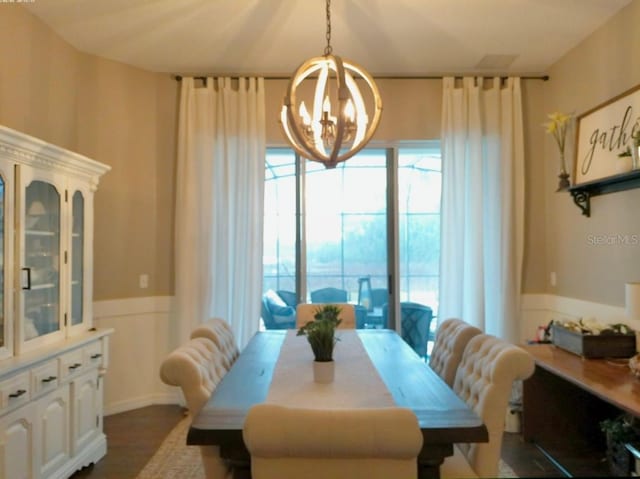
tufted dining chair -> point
(219, 331)
(197, 367)
(452, 336)
(306, 311)
(483, 380)
(338, 444)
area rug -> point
(174, 459)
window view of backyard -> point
(343, 218)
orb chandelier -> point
(324, 134)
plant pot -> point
(323, 371)
(618, 457)
(624, 164)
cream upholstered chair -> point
(306, 311)
(483, 380)
(197, 367)
(451, 338)
(219, 331)
(338, 444)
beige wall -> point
(410, 110)
(38, 81)
(115, 114)
(126, 118)
(601, 67)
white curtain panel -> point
(219, 204)
(482, 203)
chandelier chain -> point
(328, 49)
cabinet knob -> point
(96, 356)
(49, 379)
(17, 394)
(75, 366)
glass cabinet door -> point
(77, 259)
(41, 268)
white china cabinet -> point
(52, 359)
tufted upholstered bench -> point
(338, 444)
(483, 380)
(197, 367)
(219, 331)
(452, 337)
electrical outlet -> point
(144, 281)
(552, 278)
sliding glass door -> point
(354, 233)
(345, 234)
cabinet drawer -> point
(44, 377)
(95, 355)
(14, 392)
(72, 364)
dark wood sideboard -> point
(565, 400)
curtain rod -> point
(391, 77)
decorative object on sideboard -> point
(557, 127)
(321, 336)
(318, 135)
(591, 339)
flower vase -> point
(624, 165)
(563, 183)
(635, 163)
(323, 371)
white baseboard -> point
(144, 401)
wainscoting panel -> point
(141, 340)
(144, 333)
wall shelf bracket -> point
(583, 192)
(581, 199)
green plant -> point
(626, 152)
(321, 332)
(620, 429)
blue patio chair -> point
(276, 314)
(416, 321)
(329, 295)
(379, 296)
(288, 297)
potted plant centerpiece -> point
(321, 336)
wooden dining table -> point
(443, 417)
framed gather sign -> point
(603, 133)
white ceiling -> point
(272, 37)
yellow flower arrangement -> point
(557, 126)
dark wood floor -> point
(134, 436)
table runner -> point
(356, 384)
